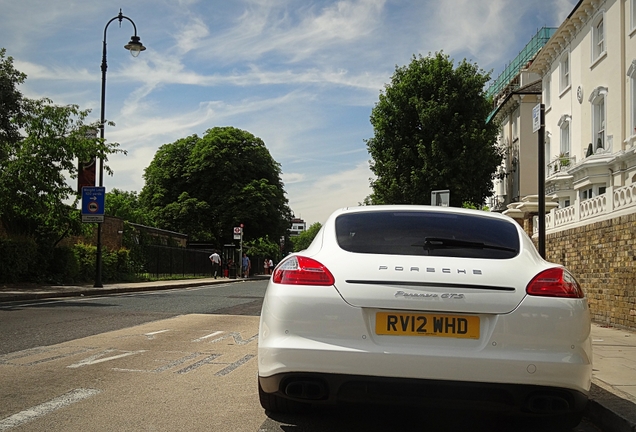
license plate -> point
(415, 324)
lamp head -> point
(135, 46)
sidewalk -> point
(612, 405)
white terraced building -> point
(588, 73)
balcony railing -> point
(597, 208)
(560, 164)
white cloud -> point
(315, 201)
(295, 33)
(290, 178)
(301, 75)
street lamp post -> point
(135, 47)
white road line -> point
(95, 359)
(216, 333)
(151, 335)
(46, 408)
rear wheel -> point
(275, 403)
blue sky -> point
(302, 75)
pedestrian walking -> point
(216, 263)
(266, 265)
(271, 266)
(246, 265)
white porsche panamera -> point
(420, 304)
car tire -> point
(276, 404)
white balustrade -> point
(593, 206)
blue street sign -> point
(93, 204)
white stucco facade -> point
(588, 72)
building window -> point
(564, 72)
(564, 125)
(631, 73)
(515, 125)
(585, 194)
(547, 90)
(633, 10)
(598, 36)
(597, 99)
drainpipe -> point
(622, 80)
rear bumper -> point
(323, 388)
(544, 343)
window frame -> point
(598, 110)
(547, 91)
(631, 73)
(547, 150)
(565, 135)
(564, 72)
(599, 39)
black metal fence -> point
(156, 261)
(165, 262)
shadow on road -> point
(406, 419)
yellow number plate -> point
(414, 324)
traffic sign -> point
(536, 118)
(93, 204)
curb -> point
(610, 412)
(83, 291)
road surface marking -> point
(234, 365)
(94, 359)
(151, 335)
(216, 333)
(46, 408)
(238, 339)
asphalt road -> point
(172, 360)
(47, 322)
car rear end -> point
(415, 304)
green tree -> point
(40, 144)
(228, 177)
(304, 239)
(10, 102)
(262, 248)
(126, 205)
(430, 133)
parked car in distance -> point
(425, 305)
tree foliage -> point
(40, 144)
(262, 248)
(304, 239)
(126, 205)
(430, 133)
(205, 186)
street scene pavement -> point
(612, 405)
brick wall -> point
(603, 259)
(112, 234)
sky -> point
(302, 75)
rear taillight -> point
(555, 282)
(300, 270)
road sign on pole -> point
(536, 118)
(237, 233)
(93, 204)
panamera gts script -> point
(429, 295)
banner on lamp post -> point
(86, 170)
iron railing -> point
(165, 262)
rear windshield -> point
(427, 233)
